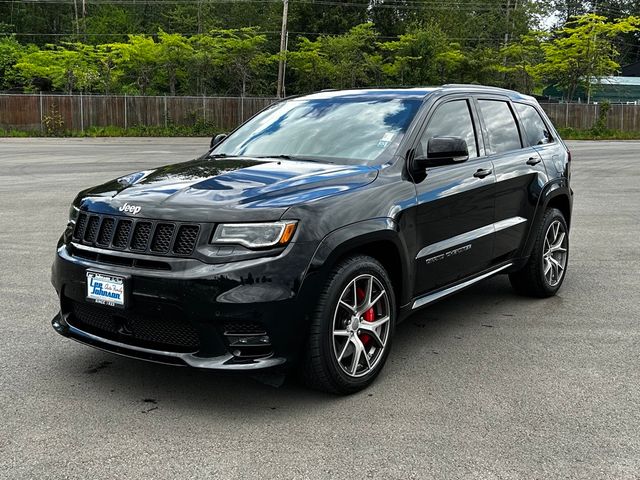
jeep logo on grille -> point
(133, 209)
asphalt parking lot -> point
(485, 384)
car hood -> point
(209, 189)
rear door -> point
(539, 136)
(520, 174)
(455, 203)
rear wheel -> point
(544, 272)
(351, 328)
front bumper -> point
(222, 362)
(210, 305)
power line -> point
(415, 6)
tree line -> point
(384, 43)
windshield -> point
(352, 130)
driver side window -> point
(453, 119)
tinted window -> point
(501, 126)
(453, 119)
(535, 129)
(350, 129)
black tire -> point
(320, 368)
(531, 280)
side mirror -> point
(442, 151)
(217, 139)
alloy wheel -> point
(361, 324)
(554, 256)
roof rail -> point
(475, 85)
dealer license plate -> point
(106, 289)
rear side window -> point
(535, 129)
(501, 125)
(453, 119)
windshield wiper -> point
(224, 155)
(293, 157)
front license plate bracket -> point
(107, 289)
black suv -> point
(305, 236)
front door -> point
(455, 204)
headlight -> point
(255, 235)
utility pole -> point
(283, 48)
(506, 40)
(595, 46)
(506, 32)
(84, 21)
(75, 10)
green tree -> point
(338, 61)
(243, 56)
(451, 63)
(174, 52)
(521, 59)
(107, 58)
(310, 66)
(110, 23)
(10, 53)
(328, 19)
(70, 67)
(582, 51)
(413, 58)
(136, 61)
(229, 61)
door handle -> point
(483, 172)
(534, 161)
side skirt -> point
(445, 292)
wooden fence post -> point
(125, 111)
(41, 113)
(81, 114)
(165, 112)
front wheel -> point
(545, 270)
(351, 328)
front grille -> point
(92, 229)
(139, 236)
(162, 239)
(81, 224)
(166, 331)
(186, 239)
(106, 231)
(121, 239)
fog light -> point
(244, 347)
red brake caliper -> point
(369, 316)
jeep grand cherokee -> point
(304, 237)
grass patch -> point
(202, 129)
(18, 133)
(597, 134)
(197, 130)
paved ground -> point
(483, 385)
